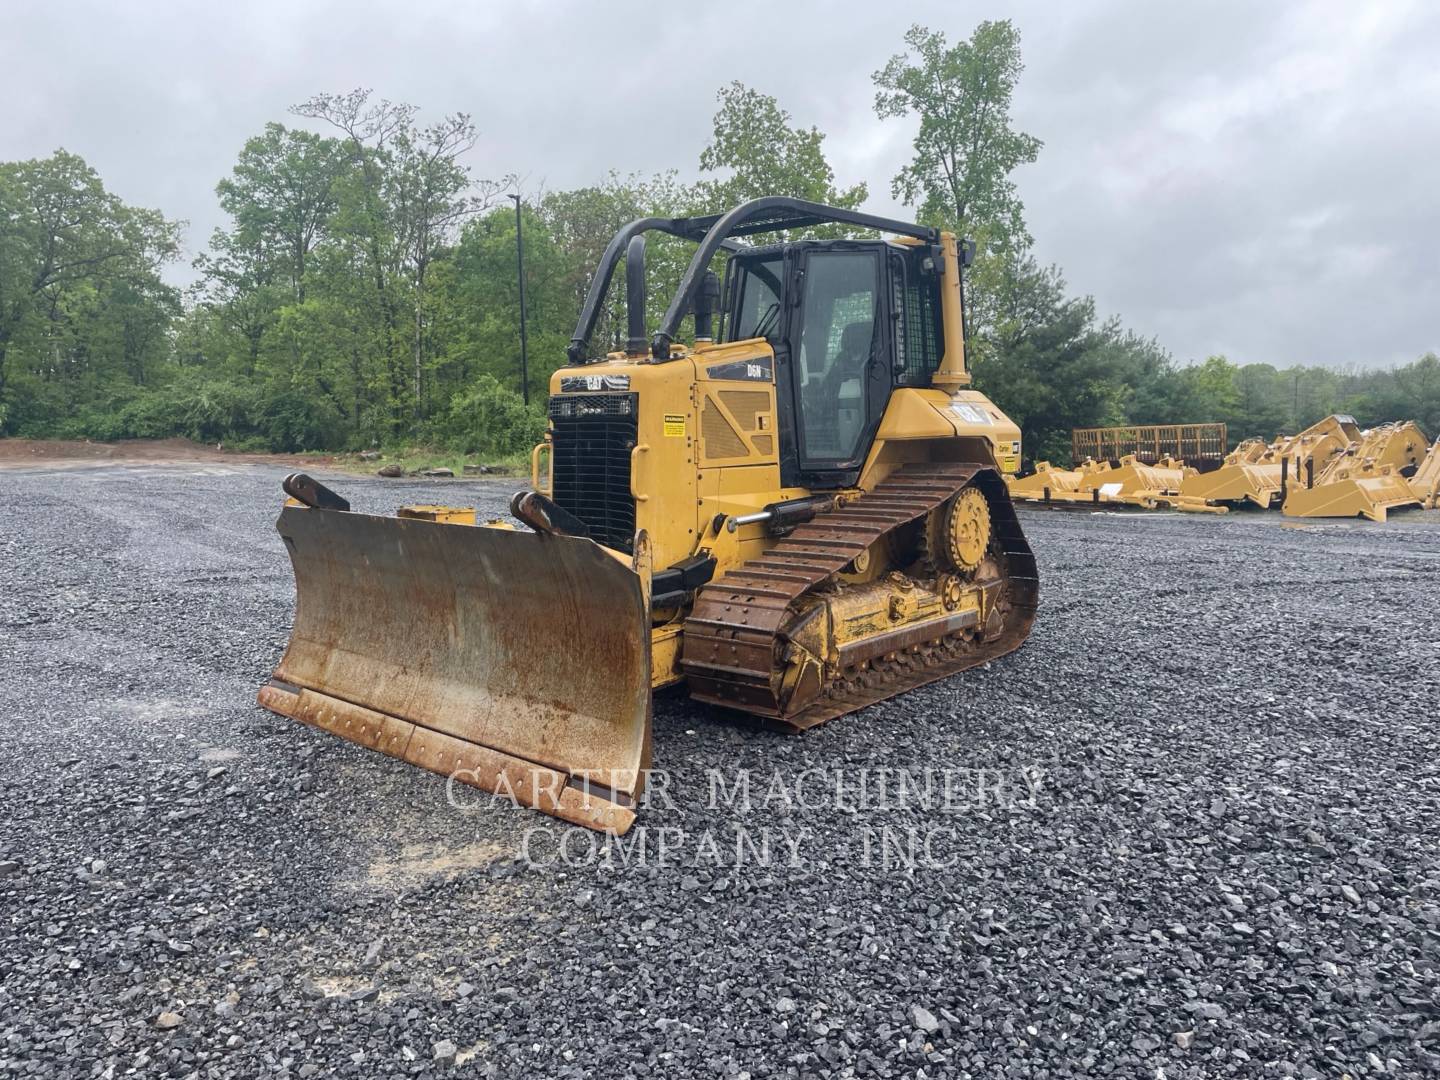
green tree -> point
(406, 195)
(281, 196)
(581, 223)
(1211, 390)
(81, 301)
(966, 145)
(1052, 367)
(480, 304)
(1418, 397)
(761, 151)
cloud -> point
(1233, 177)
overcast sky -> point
(1256, 179)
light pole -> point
(520, 276)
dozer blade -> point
(1369, 496)
(1426, 481)
(513, 661)
(1232, 483)
(1368, 478)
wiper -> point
(767, 321)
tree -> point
(763, 153)
(966, 146)
(1419, 393)
(479, 303)
(433, 195)
(1211, 390)
(406, 196)
(281, 195)
(1044, 357)
(581, 223)
(72, 255)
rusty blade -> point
(516, 662)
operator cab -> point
(848, 320)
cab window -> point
(758, 311)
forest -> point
(365, 291)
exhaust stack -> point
(707, 300)
(635, 297)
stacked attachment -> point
(1370, 477)
(1331, 469)
(1426, 481)
(1131, 483)
(1257, 474)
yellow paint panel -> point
(916, 414)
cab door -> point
(839, 376)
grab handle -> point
(543, 445)
(635, 455)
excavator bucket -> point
(1371, 477)
(1370, 495)
(514, 661)
(1258, 473)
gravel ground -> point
(1190, 830)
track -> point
(734, 637)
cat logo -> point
(570, 384)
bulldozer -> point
(796, 513)
(1368, 478)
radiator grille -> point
(590, 462)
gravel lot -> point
(1192, 830)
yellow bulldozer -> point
(798, 514)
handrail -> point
(714, 232)
(767, 214)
